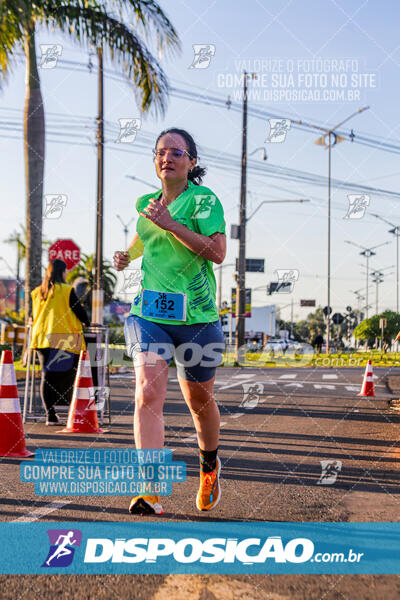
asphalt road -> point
(277, 425)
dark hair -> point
(197, 173)
(53, 275)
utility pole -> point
(241, 276)
(18, 283)
(98, 291)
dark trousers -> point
(55, 386)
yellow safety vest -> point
(55, 325)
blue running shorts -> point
(197, 349)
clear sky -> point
(356, 38)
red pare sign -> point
(67, 251)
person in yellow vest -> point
(57, 336)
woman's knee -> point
(150, 391)
(199, 404)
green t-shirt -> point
(168, 266)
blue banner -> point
(191, 547)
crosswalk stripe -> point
(324, 386)
(42, 511)
(297, 385)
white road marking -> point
(237, 415)
(223, 423)
(324, 386)
(231, 385)
(297, 385)
(288, 376)
(352, 388)
(42, 511)
(329, 376)
(243, 376)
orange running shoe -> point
(209, 493)
(145, 505)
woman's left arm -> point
(211, 247)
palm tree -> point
(19, 238)
(90, 23)
(86, 271)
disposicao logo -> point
(62, 547)
(191, 550)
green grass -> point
(354, 359)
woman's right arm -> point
(134, 250)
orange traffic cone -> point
(82, 416)
(367, 388)
(12, 437)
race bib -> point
(170, 306)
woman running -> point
(180, 233)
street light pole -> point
(395, 231)
(367, 252)
(219, 302)
(219, 268)
(332, 139)
(291, 318)
(273, 202)
(125, 229)
(142, 181)
(328, 316)
(378, 278)
(359, 298)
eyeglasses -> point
(176, 152)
